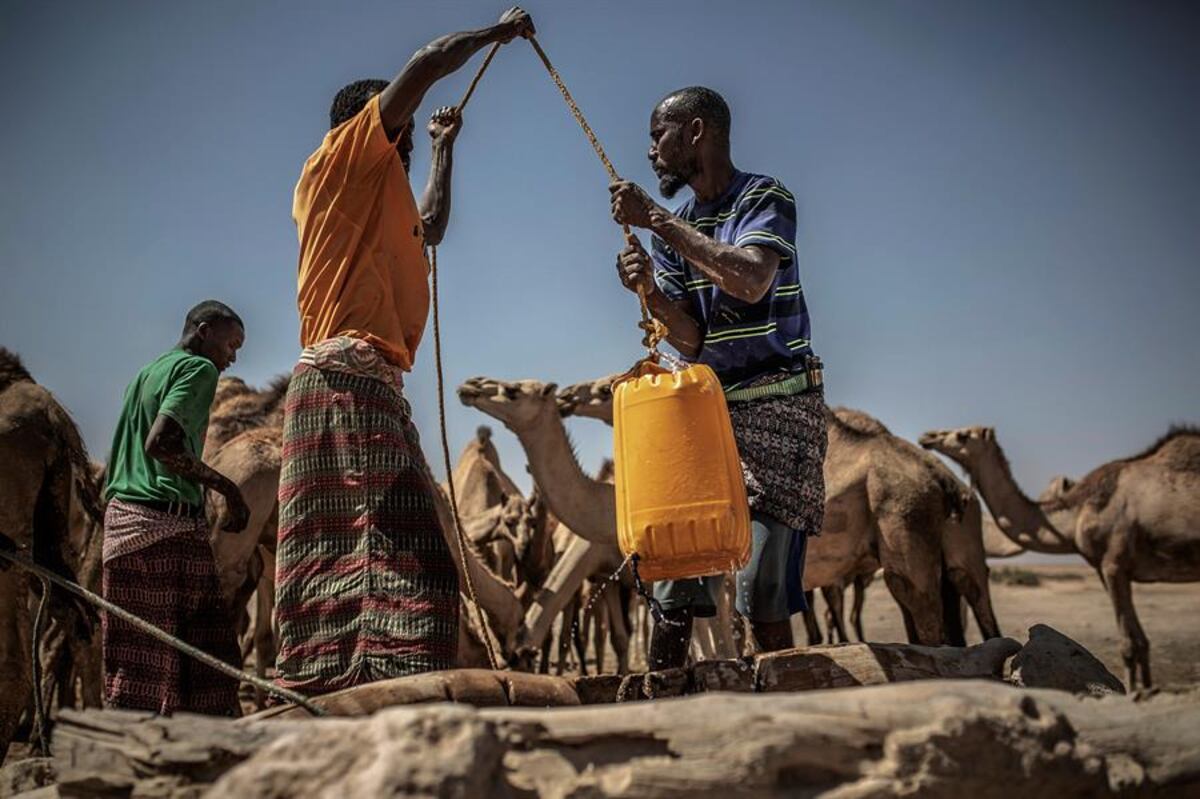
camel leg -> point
(912, 571)
(835, 612)
(14, 653)
(1135, 646)
(860, 595)
(544, 663)
(702, 640)
(600, 624)
(578, 632)
(811, 627)
(618, 631)
(966, 561)
(264, 638)
(580, 559)
(569, 618)
(723, 623)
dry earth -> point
(1071, 600)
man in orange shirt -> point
(366, 586)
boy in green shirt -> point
(157, 560)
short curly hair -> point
(702, 102)
(353, 98)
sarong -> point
(782, 442)
(366, 586)
(172, 583)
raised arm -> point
(744, 272)
(165, 444)
(435, 202)
(399, 101)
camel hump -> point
(859, 422)
(11, 369)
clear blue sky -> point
(999, 203)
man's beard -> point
(670, 183)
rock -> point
(598, 689)
(848, 665)
(942, 738)
(26, 775)
(1052, 660)
(724, 675)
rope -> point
(458, 527)
(493, 659)
(655, 331)
(39, 701)
(155, 632)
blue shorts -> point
(769, 587)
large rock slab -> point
(25, 775)
(944, 739)
(1052, 660)
(848, 665)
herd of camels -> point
(891, 507)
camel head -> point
(517, 405)
(964, 445)
(591, 399)
(1058, 486)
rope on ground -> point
(154, 632)
(493, 659)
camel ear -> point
(549, 388)
(989, 434)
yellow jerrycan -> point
(681, 499)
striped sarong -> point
(366, 587)
(161, 569)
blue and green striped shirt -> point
(743, 341)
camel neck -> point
(1018, 517)
(585, 505)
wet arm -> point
(399, 101)
(435, 202)
(742, 272)
(166, 444)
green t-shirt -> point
(180, 385)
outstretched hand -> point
(445, 123)
(516, 22)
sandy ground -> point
(1071, 600)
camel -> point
(237, 408)
(481, 487)
(878, 512)
(1134, 519)
(42, 457)
(963, 550)
(966, 540)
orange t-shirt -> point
(363, 271)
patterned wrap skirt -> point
(366, 586)
(781, 441)
(160, 567)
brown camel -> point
(878, 512)
(237, 408)
(914, 472)
(482, 488)
(42, 455)
(1135, 519)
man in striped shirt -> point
(722, 276)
